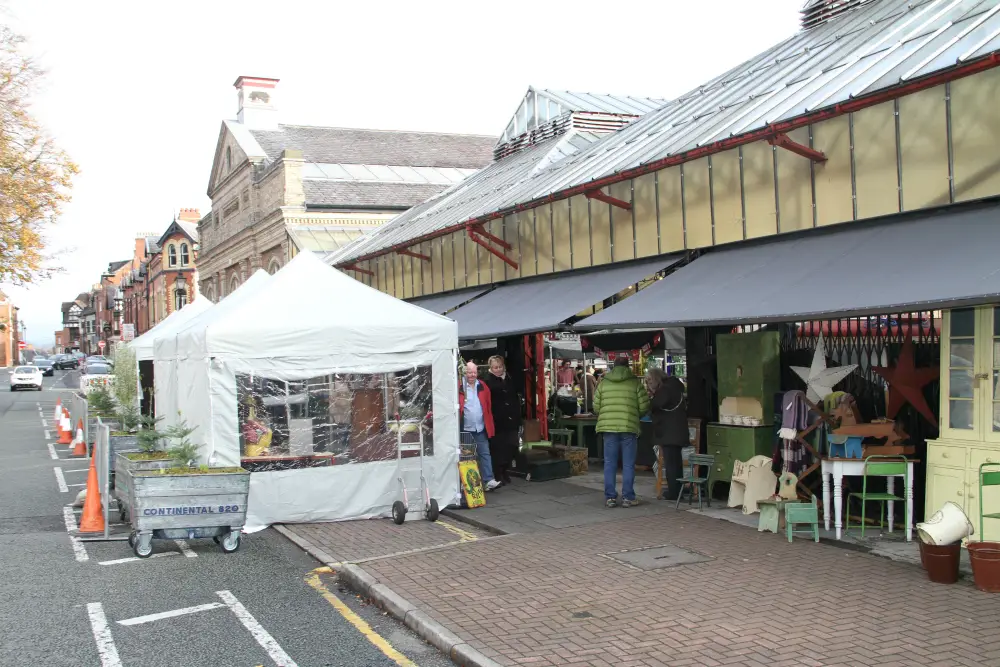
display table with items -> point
(834, 471)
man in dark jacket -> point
(476, 414)
(620, 401)
(668, 408)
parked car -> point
(64, 362)
(26, 377)
(95, 375)
(100, 359)
(46, 365)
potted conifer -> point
(185, 500)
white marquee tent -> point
(167, 384)
(312, 325)
(143, 345)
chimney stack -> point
(256, 102)
(189, 215)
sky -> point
(136, 92)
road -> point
(64, 602)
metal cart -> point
(404, 467)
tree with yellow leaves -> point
(35, 175)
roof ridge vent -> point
(818, 12)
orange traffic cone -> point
(92, 520)
(64, 429)
(79, 446)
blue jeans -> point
(483, 455)
(628, 444)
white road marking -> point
(262, 636)
(76, 485)
(138, 620)
(52, 452)
(78, 548)
(60, 480)
(102, 635)
(119, 561)
(78, 470)
(47, 435)
(185, 549)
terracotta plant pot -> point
(985, 557)
(941, 562)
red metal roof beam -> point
(410, 253)
(493, 251)
(608, 199)
(478, 229)
(355, 267)
(782, 140)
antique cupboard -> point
(969, 416)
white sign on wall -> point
(128, 332)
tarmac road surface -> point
(65, 602)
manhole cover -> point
(657, 558)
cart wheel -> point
(433, 512)
(215, 538)
(398, 512)
(143, 546)
(231, 542)
(131, 539)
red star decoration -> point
(906, 383)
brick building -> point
(9, 333)
(163, 279)
(277, 189)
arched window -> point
(210, 292)
(234, 283)
(273, 267)
(171, 255)
(184, 254)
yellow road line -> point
(464, 535)
(375, 638)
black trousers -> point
(673, 468)
(503, 448)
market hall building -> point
(845, 181)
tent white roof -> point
(143, 345)
(308, 311)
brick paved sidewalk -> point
(562, 598)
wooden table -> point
(286, 461)
(838, 468)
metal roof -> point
(475, 195)
(870, 48)
(322, 238)
(538, 107)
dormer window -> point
(171, 256)
(184, 254)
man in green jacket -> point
(620, 400)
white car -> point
(26, 377)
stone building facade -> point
(278, 189)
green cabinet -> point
(749, 371)
(729, 444)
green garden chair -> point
(693, 478)
(989, 475)
(881, 465)
(802, 513)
